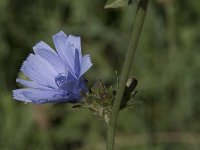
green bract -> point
(101, 97)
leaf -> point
(117, 3)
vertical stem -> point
(139, 20)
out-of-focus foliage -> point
(167, 66)
(117, 3)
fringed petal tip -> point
(86, 64)
(74, 37)
(59, 34)
(25, 61)
(40, 43)
(17, 95)
(62, 34)
(42, 46)
(89, 59)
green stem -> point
(139, 20)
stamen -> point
(60, 79)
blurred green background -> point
(167, 65)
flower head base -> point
(101, 97)
(55, 76)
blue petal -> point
(31, 84)
(77, 65)
(74, 43)
(38, 96)
(17, 95)
(66, 47)
(85, 64)
(40, 71)
(60, 42)
(50, 55)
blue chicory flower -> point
(55, 76)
